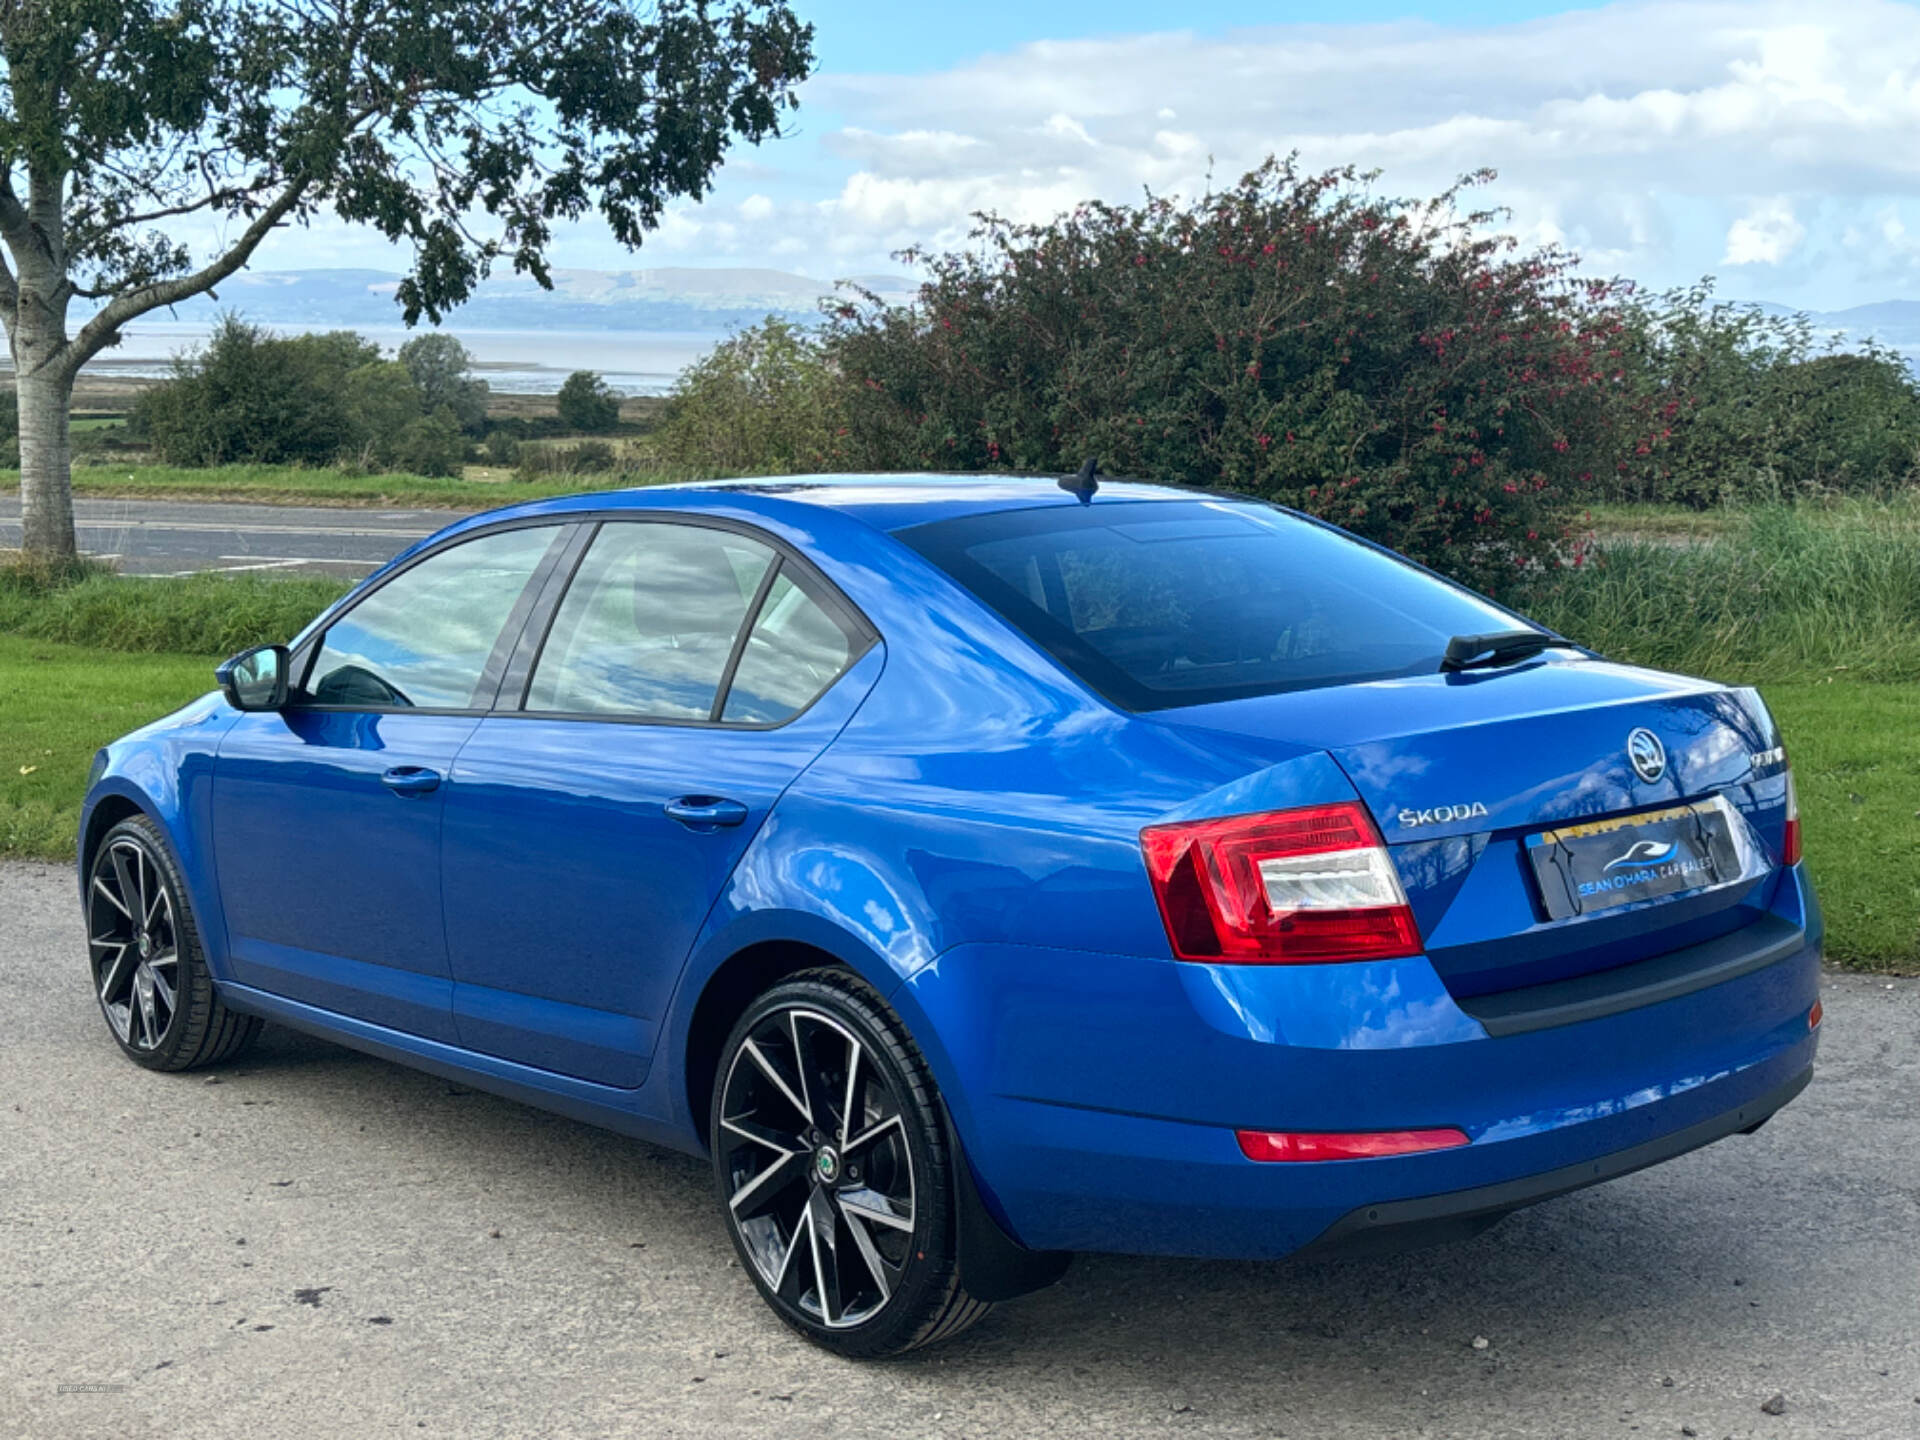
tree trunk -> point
(43, 376)
(46, 465)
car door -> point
(688, 674)
(326, 814)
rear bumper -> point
(1460, 1214)
(1097, 1095)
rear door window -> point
(649, 622)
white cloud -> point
(1637, 133)
(1765, 235)
(1659, 138)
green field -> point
(60, 703)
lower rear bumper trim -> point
(1458, 1214)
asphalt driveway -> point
(318, 1243)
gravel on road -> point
(316, 1243)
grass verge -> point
(1783, 594)
(205, 614)
(1682, 522)
(1856, 766)
(58, 704)
(481, 488)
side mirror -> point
(255, 679)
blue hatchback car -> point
(979, 871)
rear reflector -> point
(1362, 1145)
(1790, 846)
(1815, 1015)
(1290, 887)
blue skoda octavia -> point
(979, 871)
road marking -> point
(284, 563)
(202, 527)
(307, 559)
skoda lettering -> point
(1441, 815)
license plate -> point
(1608, 863)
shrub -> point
(552, 462)
(250, 395)
(442, 372)
(1392, 367)
(590, 457)
(429, 445)
(317, 399)
(1740, 405)
(587, 404)
(381, 401)
(767, 401)
(502, 448)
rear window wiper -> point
(1503, 647)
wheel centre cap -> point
(826, 1164)
(146, 945)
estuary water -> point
(520, 362)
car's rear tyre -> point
(149, 971)
(834, 1171)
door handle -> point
(411, 780)
(706, 812)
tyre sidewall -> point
(928, 1278)
(194, 986)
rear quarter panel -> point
(978, 796)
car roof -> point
(893, 502)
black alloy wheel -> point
(149, 973)
(833, 1170)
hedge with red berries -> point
(1394, 367)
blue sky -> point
(1772, 143)
(875, 36)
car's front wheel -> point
(834, 1171)
(149, 972)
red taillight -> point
(1364, 1145)
(1290, 887)
(1790, 843)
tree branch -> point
(213, 199)
(100, 331)
(9, 296)
(15, 227)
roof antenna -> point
(1082, 486)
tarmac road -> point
(174, 537)
(317, 1243)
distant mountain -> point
(672, 299)
(1891, 322)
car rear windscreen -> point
(1162, 603)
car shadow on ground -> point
(1636, 1273)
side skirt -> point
(606, 1106)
